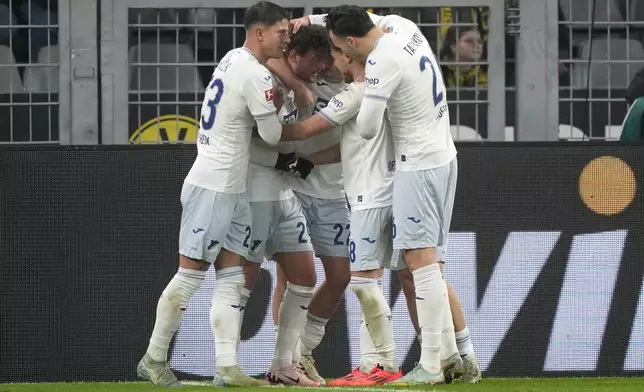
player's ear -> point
(292, 55)
(351, 41)
(259, 33)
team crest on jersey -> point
(269, 94)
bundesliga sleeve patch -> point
(269, 95)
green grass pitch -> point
(487, 385)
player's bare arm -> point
(327, 156)
(282, 69)
(303, 130)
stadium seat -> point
(44, 79)
(9, 77)
(627, 55)
(183, 77)
(202, 16)
(571, 133)
(464, 133)
(581, 11)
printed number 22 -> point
(340, 229)
(438, 97)
(217, 84)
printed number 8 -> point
(206, 124)
(438, 97)
(352, 251)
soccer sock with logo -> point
(291, 320)
(243, 301)
(464, 343)
(225, 315)
(377, 317)
(448, 340)
(431, 297)
(170, 309)
(312, 334)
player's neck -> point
(372, 37)
(357, 71)
(256, 49)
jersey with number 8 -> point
(402, 70)
(239, 93)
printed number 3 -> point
(217, 84)
(424, 61)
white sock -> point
(243, 300)
(291, 320)
(368, 354)
(431, 297)
(377, 317)
(225, 315)
(464, 343)
(448, 340)
(170, 309)
(312, 334)
(297, 352)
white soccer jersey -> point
(325, 181)
(367, 165)
(239, 93)
(267, 183)
(405, 74)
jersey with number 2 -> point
(402, 71)
(239, 93)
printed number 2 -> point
(340, 229)
(438, 97)
(247, 237)
(217, 85)
(302, 228)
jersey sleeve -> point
(343, 107)
(259, 93)
(382, 76)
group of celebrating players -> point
(328, 133)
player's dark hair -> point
(348, 21)
(311, 38)
(264, 12)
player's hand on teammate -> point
(297, 166)
(296, 24)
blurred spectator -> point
(463, 48)
(636, 88)
(633, 126)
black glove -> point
(293, 164)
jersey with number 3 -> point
(402, 71)
(239, 93)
